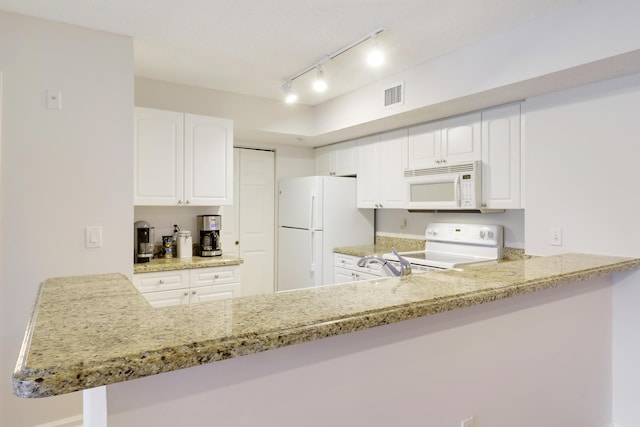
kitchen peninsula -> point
(91, 331)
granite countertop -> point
(168, 264)
(89, 331)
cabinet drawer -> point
(162, 281)
(214, 276)
(346, 261)
(351, 262)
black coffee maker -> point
(143, 241)
(209, 226)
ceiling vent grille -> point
(394, 95)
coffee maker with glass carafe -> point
(209, 226)
(143, 241)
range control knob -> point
(482, 234)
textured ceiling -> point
(252, 46)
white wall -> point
(61, 170)
(508, 363)
(582, 151)
(582, 174)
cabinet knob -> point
(237, 242)
(193, 292)
(188, 202)
(180, 202)
(216, 276)
(186, 293)
(484, 205)
(161, 281)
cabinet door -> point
(167, 298)
(501, 152)
(392, 158)
(208, 161)
(323, 161)
(461, 139)
(158, 157)
(424, 145)
(343, 275)
(212, 293)
(368, 182)
(344, 159)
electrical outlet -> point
(555, 236)
(467, 423)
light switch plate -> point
(54, 99)
(93, 236)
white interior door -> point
(257, 220)
(231, 213)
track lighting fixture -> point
(290, 97)
(375, 58)
(319, 84)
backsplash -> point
(408, 244)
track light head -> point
(290, 97)
(375, 57)
(319, 84)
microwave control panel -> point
(467, 191)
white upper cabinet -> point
(381, 165)
(337, 160)
(501, 158)
(182, 159)
(208, 154)
(444, 142)
(158, 157)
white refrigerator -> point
(316, 214)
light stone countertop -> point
(89, 331)
(168, 264)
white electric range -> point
(452, 245)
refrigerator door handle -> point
(313, 200)
(311, 263)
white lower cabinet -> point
(346, 269)
(208, 284)
(176, 287)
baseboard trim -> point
(75, 421)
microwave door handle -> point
(456, 187)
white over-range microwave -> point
(451, 187)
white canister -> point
(184, 244)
